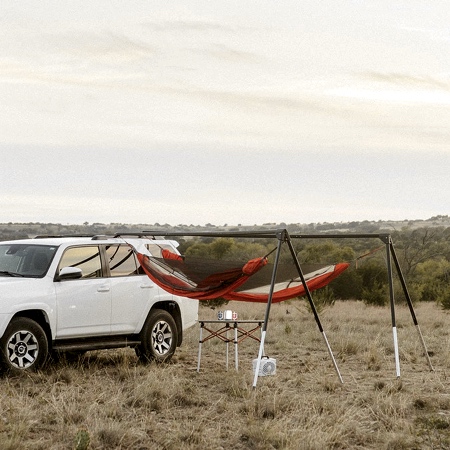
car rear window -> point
(121, 261)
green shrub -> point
(376, 295)
(322, 299)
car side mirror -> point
(69, 273)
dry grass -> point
(122, 404)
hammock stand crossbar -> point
(285, 238)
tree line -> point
(423, 253)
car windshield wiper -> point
(10, 274)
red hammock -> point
(214, 279)
(292, 288)
(213, 286)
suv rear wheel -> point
(23, 346)
(159, 337)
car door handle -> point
(103, 289)
(147, 286)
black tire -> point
(24, 346)
(159, 337)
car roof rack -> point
(137, 235)
(45, 236)
(94, 237)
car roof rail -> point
(45, 236)
(94, 237)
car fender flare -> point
(30, 310)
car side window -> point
(121, 261)
(85, 258)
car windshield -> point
(25, 260)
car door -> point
(132, 292)
(84, 304)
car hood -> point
(4, 280)
(25, 293)
(13, 284)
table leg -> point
(226, 335)
(199, 349)
(236, 360)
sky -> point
(224, 112)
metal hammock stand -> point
(284, 237)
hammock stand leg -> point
(410, 305)
(392, 303)
(314, 310)
(281, 237)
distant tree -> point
(348, 286)
(374, 281)
(414, 247)
(224, 248)
(431, 282)
(325, 252)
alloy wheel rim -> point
(162, 337)
(23, 349)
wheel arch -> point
(40, 317)
(174, 310)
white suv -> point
(72, 294)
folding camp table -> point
(243, 329)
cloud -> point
(75, 57)
(188, 25)
(101, 46)
(434, 34)
(230, 54)
(406, 80)
(394, 89)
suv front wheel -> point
(159, 337)
(23, 346)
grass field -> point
(119, 403)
